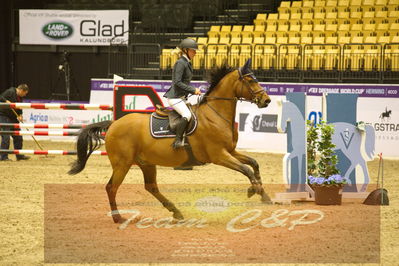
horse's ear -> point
(246, 68)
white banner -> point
(73, 27)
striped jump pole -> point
(48, 152)
(50, 126)
(41, 133)
(56, 106)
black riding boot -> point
(180, 129)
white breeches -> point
(180, 106)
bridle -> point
(241, 77)
(254, 99)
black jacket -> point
(181, 78)
(10, 95)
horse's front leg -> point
(249, 161)
(228, 160)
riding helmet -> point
(188, 43)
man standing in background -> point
(12, 95)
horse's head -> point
(250, 89)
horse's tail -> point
(89, 139)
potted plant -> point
(323, 175)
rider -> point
(180, 89)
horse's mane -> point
(214, 76)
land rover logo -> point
(57, 30)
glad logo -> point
(57, 30)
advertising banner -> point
(73, 27)
(378, 105)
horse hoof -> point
(265, 199)
(118, 219)
(178, 216)
(251, 191)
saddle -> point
(164, 120)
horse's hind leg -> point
(118, 174)
(150, 180)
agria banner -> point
(73, 27)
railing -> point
(286, 62)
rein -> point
(253, 93)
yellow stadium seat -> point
(319, 40)
(332, 27)
(247, 31)
(343, 2)
(357, 58)
(213, 40)
(234, 56)
(332, 40)
(283, 27)
(331, 14)
(166, 59)
(307, 3)
(394, 27)
(224, 40)
(236, 31)
(368, 2)
(291, 57)
(319, 3)
(381, 14)
(384, 39)
(307, 15)
(356, 14)
(381, 2)
(199, 59)
(259, 30)
(235, 40)
(356, 2)
(319, 27)
(372, 58)
(369, 27)
(344, 40)
(271, 27)
(260, 19)
(393, 14)
(369, 14)
(332, 57)
(265, 57)
(271, 40)
(259, 40)
(295, 28)
(282, 40)
(294, 40)
(392, 2)
(319, 15)
(382, 27)
(270, 34)
(296, 16)
(246, 40)
(284, 6)
(332, 3)
(214, 31)
(272, 17)
(296, 4)
(307, 27)
(284, 16)
(343, 14)
(344, 27)
(306, 40)
(202, 40)
(356, 27)
(357, 39)
(370, 39)
(225, 28)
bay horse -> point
(128, 140)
